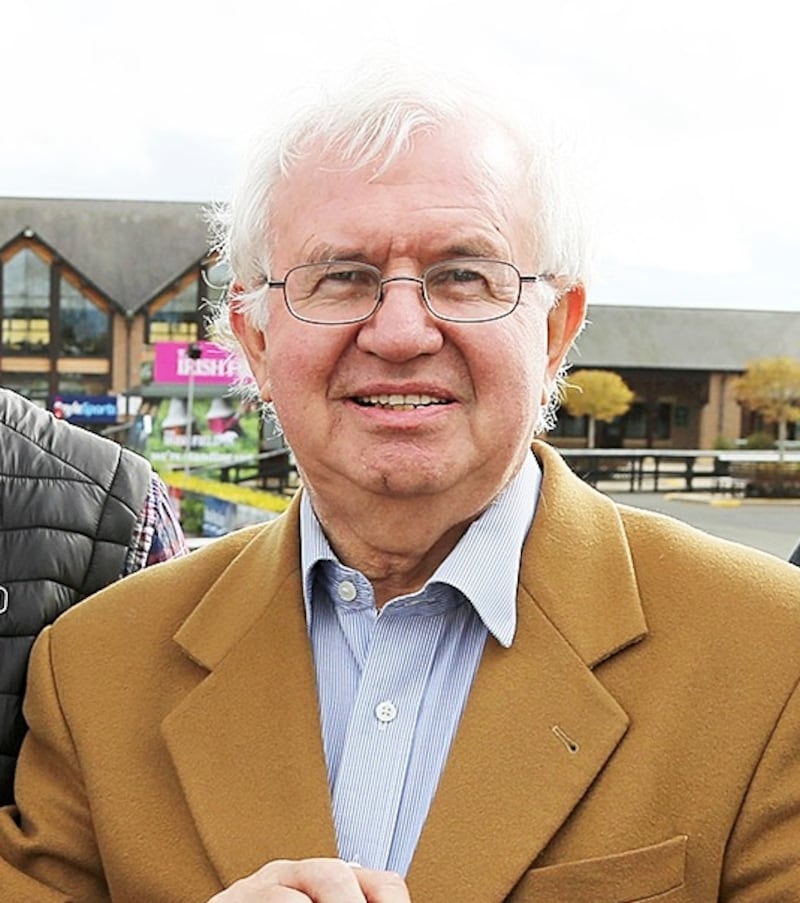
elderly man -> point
(452, 671)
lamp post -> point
(193, 352)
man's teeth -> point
(399, 402)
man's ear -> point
(254, 344)
(564, 322)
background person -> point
(451, 662)
(77, 511)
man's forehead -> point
(454, 166)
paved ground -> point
(771, 526)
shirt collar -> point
(484, 565)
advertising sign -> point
(223, 430)
(209, 363)
(219, 430)
(218, 517)
(85, 409)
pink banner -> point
(173, 363)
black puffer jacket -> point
(69, 504)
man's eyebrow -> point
(322, 252)
(478, 247)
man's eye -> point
(457, 275)
(465, 275)
(353, 277)
(448, 277)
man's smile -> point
(399, 402)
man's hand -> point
(315, 880)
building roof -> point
(130, 250)
(674, 338)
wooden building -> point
(87, 287)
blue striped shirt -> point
(393, 683)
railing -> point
(273, 469)
(639, 469)
(647, 469)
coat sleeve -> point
(762, 862)
(48, 852)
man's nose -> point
(402, 327)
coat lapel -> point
(245, 741)
(539, 727)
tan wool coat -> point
(639, 741)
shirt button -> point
(386, 711)
(347, 591)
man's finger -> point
(382, 887)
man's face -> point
(463, 399)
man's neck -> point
(396, 543)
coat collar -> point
(577, 564)
(537, 730)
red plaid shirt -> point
(158, 535)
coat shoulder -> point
(712, 581)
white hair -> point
(370, 124)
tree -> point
(771, 387)
(598, 394)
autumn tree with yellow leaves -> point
(770, 386)
(598, 395)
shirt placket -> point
(368, 789)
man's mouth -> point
(397, 402)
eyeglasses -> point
(465, 290)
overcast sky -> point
(688, 111)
